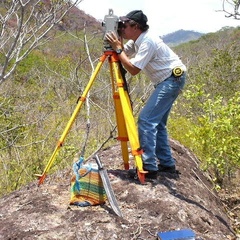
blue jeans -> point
(152, 123)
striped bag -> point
(86, 186)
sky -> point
(167, 16)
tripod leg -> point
(129, 120)
(122, 131)
(121, 126)
(70, 122)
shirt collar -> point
(140, 38)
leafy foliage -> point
(38, 100)
(210, 123)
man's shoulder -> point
(152, 37)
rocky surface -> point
(171, 202)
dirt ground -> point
(171, 202)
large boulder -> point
(171, 202)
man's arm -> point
(116, 44)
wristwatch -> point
(119, 51)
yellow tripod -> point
(124, 116)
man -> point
(167, 72)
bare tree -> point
(231, 8)
(24, 25)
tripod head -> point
(111, 23)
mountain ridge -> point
(172, 39)
(181, 36)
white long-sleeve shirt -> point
(150, 54)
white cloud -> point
(167, 16)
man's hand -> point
(118, 44)
(114, 41)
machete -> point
(108, 188)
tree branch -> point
(233, 12)
(24, 26)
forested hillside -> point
(38, 99)
(211, 101)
